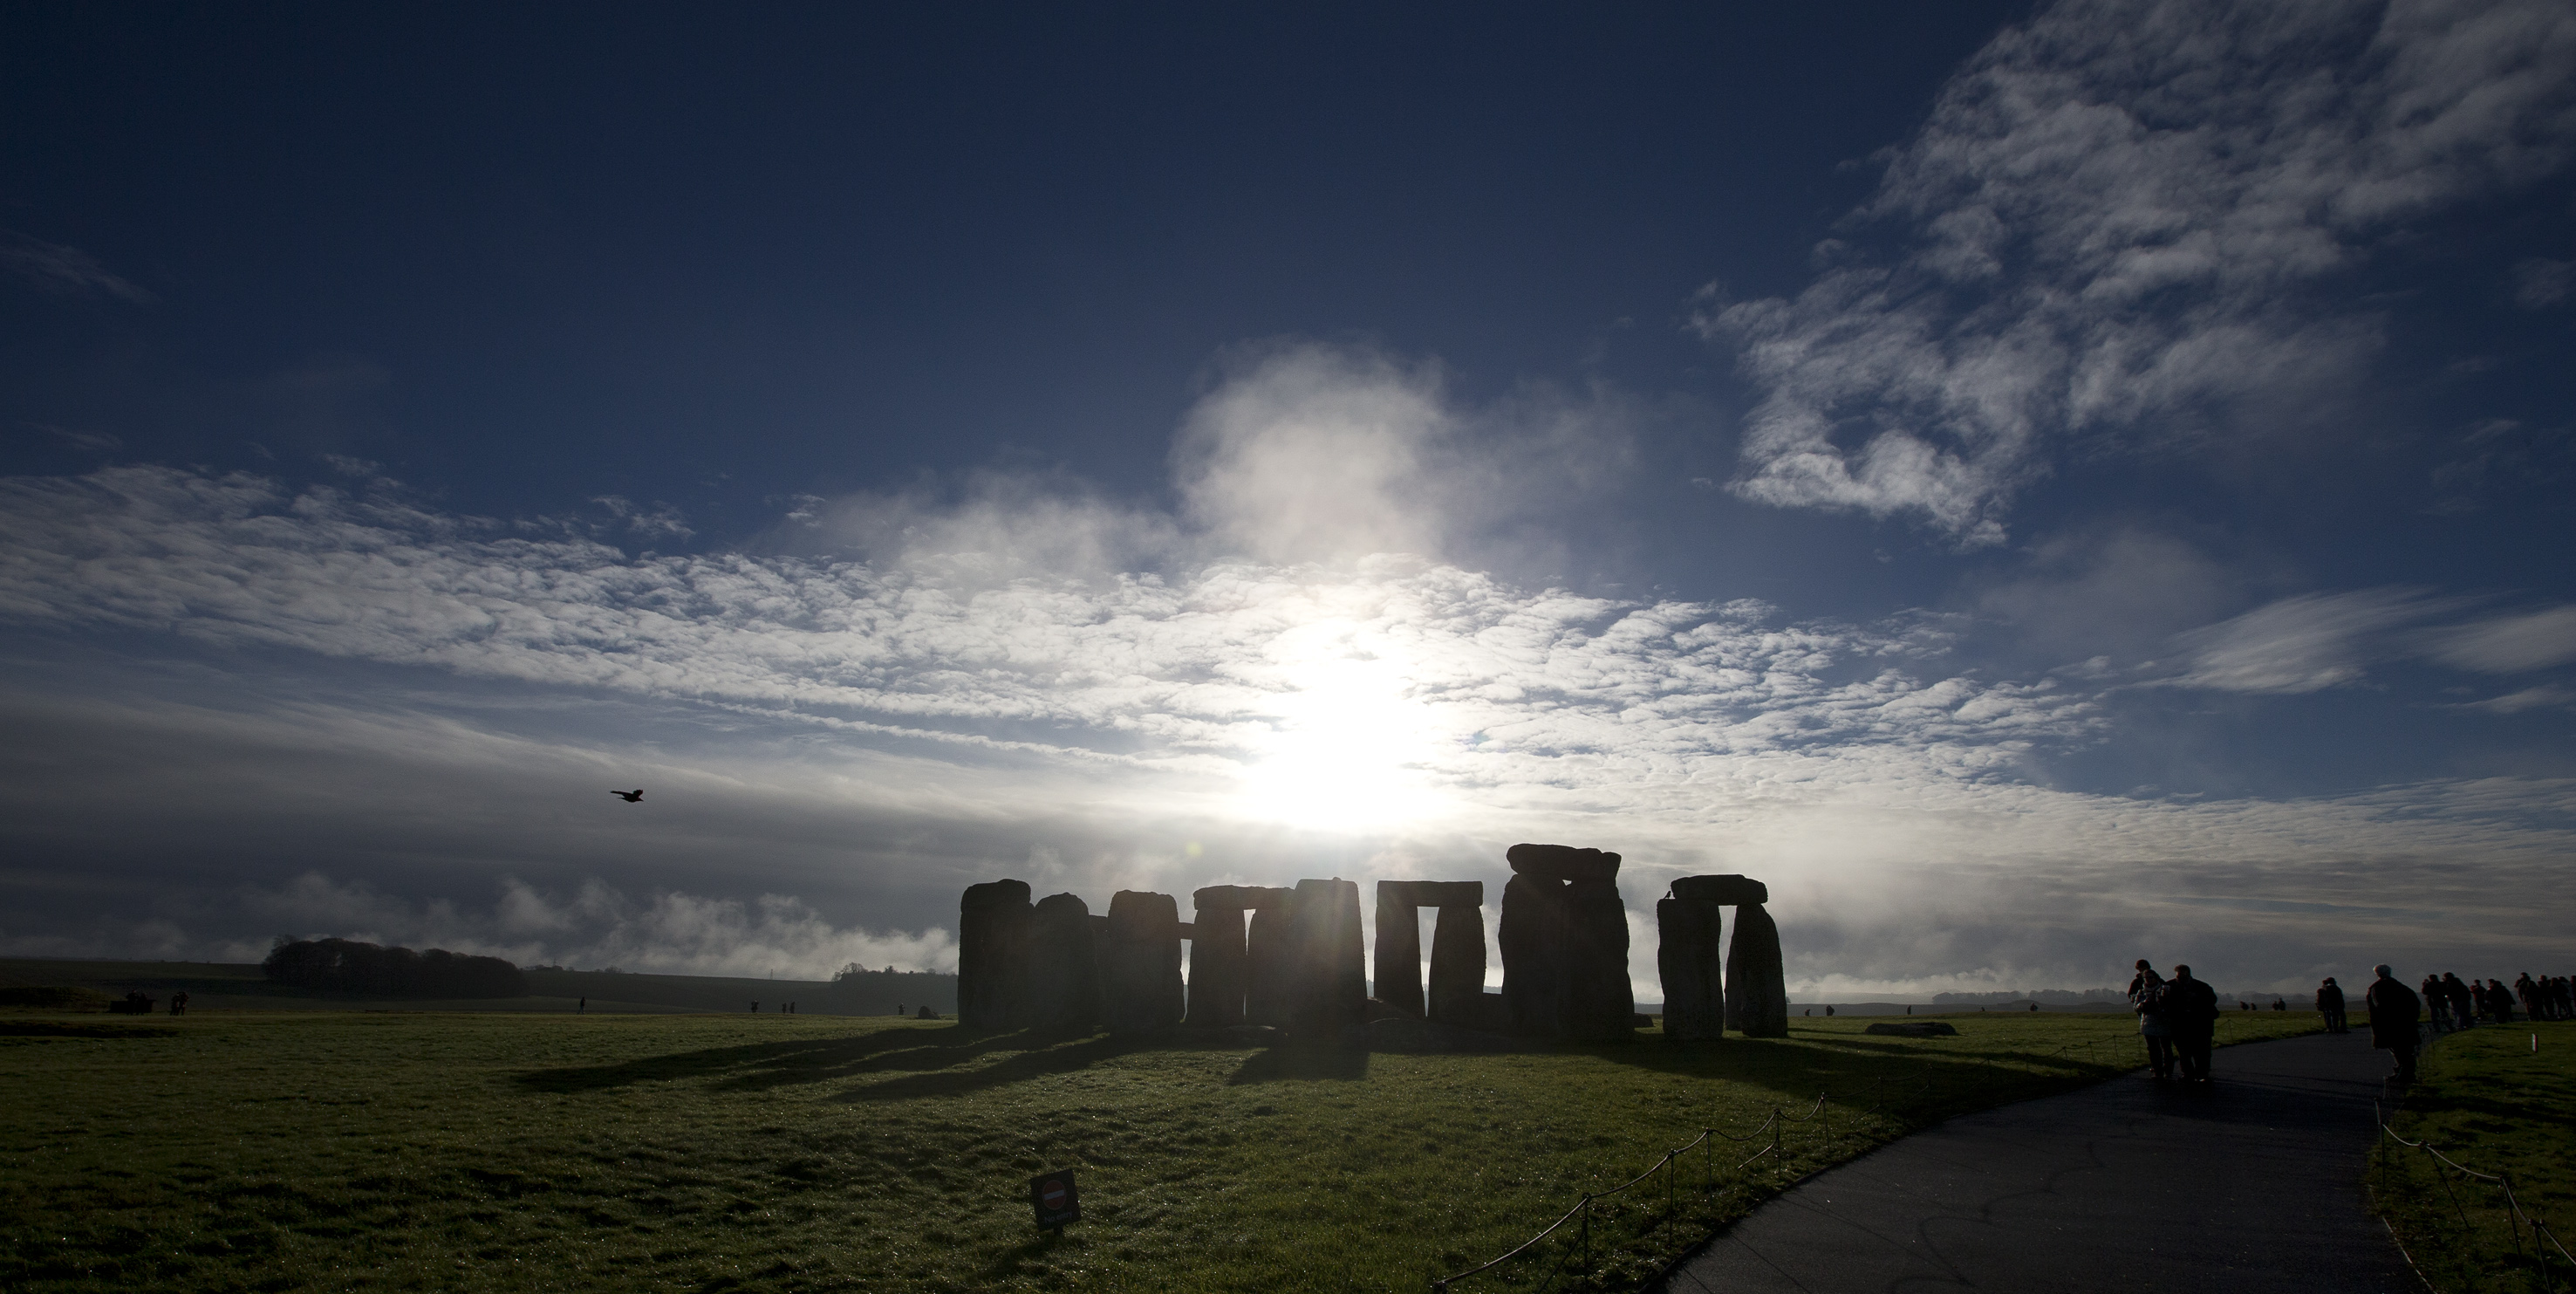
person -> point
(2393, 1011)
(2278, 1004)
(1829, 1008)
(2191, 1011)
(2146, 997)
(2437, 1003)
(583, 1009)
(2499, 1002)
(2330, 1005)
(2463, 1003)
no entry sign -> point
(1054, 1197)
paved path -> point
(2252, 1183)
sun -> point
(1347, 747)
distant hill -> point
(224, 986)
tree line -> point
(393, 972)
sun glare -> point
(1345, 749)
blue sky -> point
(2039, 486)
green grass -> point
(517, 1152)
(2490, 1101)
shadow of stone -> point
(1063, 1058)
(797, 1060)
(1327, 1064)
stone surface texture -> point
(1398, 959)
(1143, 993)
(1217, 959)
(993, 955)
(1328, 962)
(1687, 933)
(1064, 969)
(1757, 995)
(1458, 962)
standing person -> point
(2438, 1002)
(2330, 1005)
(2147, 998)
(2463, 1003)
(2191, 1011)
(2393, 1011)
(2499, 1001)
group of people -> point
(2397, 1013)
(2177, 1016)
(2454, 1003)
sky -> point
(2039, 486)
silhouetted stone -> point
(1532, 938)
(1730, 890)
(993, 955)
(1100, 956)
(1217, 957)
(1267, 944)
(1912, 1029)
(1328, 975)
(1143, 991)
(1598, 1001)
(1399, 948)
(1686, 955)
(1458, 960)
(1563, 863)
(1064, 968)
(1757, 995)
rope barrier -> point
(2516, 1219)
(1774, 1124)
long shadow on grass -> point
(754, 1066)
(1331, 1064)
(1039, 1062)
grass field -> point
(2499, 1099)
(525, 1152)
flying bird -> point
(629, 796)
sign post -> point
(1055, 1199)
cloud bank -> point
(389, 714)
(2130, 223)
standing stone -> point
(1532, 938)
(1599, 1003)
(1217, 955)
(1266, 961)
(1686, 954)
(993, 955)
(1143, 994)
(1064, 969)
(1328, 968)
(1757, 992)
(1458, 962)
(1399, 947)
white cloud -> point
(2540, 283)
(2547, 695)
(2321, 640)
(2111, 229)
(2509, 644)
(64, 269)
(2301, 644)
